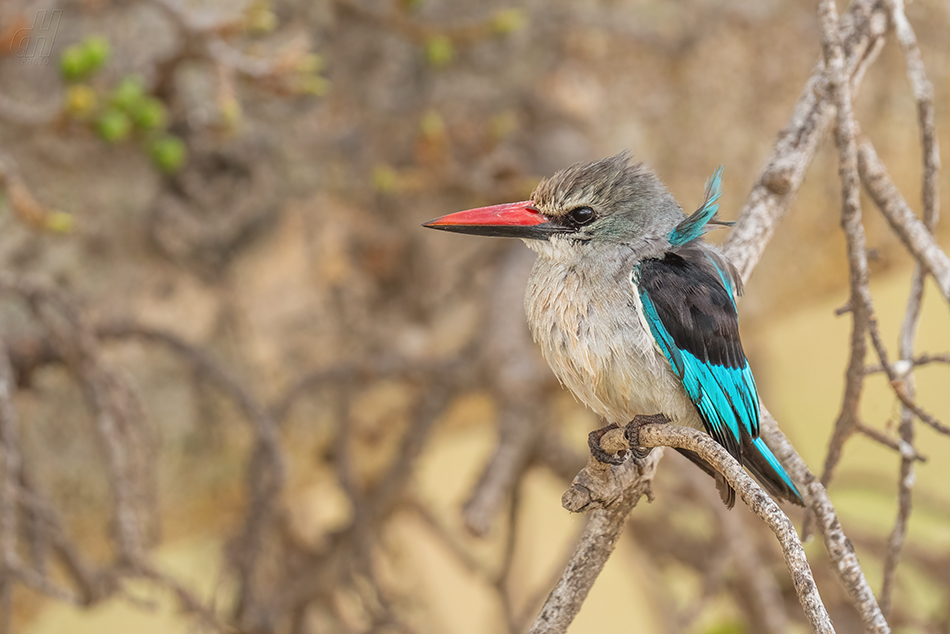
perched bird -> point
(634, 313)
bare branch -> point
(610, 493)
(900, 384)
(760, 504)
(912, 232)
(839, 547)
(862, 308)
(265, 475)
(120, 432)
(905, 449)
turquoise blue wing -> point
(688, 304)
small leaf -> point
(432, 125)
(439, 50)
(385, 179)
(60, 222)
(509, 20)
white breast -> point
(585, 313)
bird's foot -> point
(598, 452)
(632, 433)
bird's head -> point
(611, 200)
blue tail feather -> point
(776, 466)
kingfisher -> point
(633, 311)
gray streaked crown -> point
(628, 199)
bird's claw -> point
(632, 433)
(599, 454)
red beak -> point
(511, 220)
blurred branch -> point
(396, 20)
(204, 36)
(862, 35)
(9, 473)
(24, 204)
(905, 449)
(266, 470)
(29, 115)
(930, 195)
(757, 582)
(123, 438)
(518, 377)
(128, 463)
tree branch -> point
(863, 34)
(614, 491)
(912, 232)
(839, 547)
(610, 493)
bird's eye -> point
(581, 216)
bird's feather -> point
(688, 303)
(696, 224)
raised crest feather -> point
(697, 224)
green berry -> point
(168, 153)
(311, 63)
(114, 126)
(149, 114)
(128, 94)
(314, 85)
(96, 51)
(80, 101)
(81, 60)
(72, 63)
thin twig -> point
(905, 449)
(903, 366)
(900, 384)
(911, 230)
(862, 308)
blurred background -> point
(222, 202)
